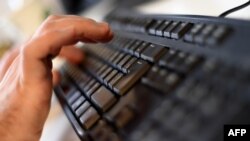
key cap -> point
(167, 58)
(136, 71)
(114, 80)
(75, 95)
(155, 79)
(105, 73)
(89, 118)
(205, 32)
(103, 98)
(134, 47)
(77, 103)
(148, 23)
(113, 57)
(93, 89)
(190, 63)
(180, 30)
(153, 27)
(163, 26)
(128, 64)
(80, 110)
(123, 61)
(218, 35)
(118, 59)
(169, 29)
(140, 49)
(89, 85)
(128, 45)
(110, 76)
(102, 69)
(172, 80)
(153, 52)
(189, 37)
(139, 26)
(177, 62)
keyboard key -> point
(93, 89)
(128, 45)
(80, 110)
(172, 79)
(218, 35)
(194, 31)
(163, 26)
(89, 85)
(123, 61)
(114, 80)
(135, 72)
(118, 59)
(134, 47)
(180, 30)
(128, 64)
(103, 98)
(190, 63)
(140, 49)
(113, 57)
(169, 29)
(73, 96)
(109, 77)
(105, 73)
(202, 36)
(89, 118)
(153, 52)
(77, 103)
(167, 58)
(148, 23)
(153, 27)
(156, 81)
(102, 69)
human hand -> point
(26, 78)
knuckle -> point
(48, 26)
(90, 21)
(53, 17)
(25, 51)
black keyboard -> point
(162, 77)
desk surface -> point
(58, 127)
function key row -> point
(206, 34)
(168, 29)
(197, 33)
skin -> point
(26, 77)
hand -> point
(26, 78)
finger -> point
(72, 54)
(56, 77)
(52, 41)
(7, 60)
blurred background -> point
(20, 18)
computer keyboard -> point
(162, 77)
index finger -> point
(66, 32)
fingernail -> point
(103, 24)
